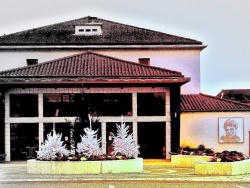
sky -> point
(222, 25)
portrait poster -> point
(231, 130)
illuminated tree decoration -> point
(52, 148)
(89, 146)
(123, 143)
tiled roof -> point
(89, 65)
(113, 34)
(207, 103)
(240, 95)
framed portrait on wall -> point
(231, 130)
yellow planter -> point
(84, 167)
(222, 168)
(187, 161)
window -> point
(110, 104)
(23, 105)
(58, 105)
(151, 104)
(89, 29)
(98, 104)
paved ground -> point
(157, 173)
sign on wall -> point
(231, 130)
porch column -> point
(168, 124)
(7, 127)
(40, 115)
(135, 133)
(7, 141)
(134, 113)
(134, 105)
(104, 142)
(168, 140)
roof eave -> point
(66, 81)
(103, 46)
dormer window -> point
(89, 29)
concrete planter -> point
(222, 168)
(187, 161)
(84, 167)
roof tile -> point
(113, 34)
(90, 64)
(207, 103)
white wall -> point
(202, 128)
(185, 61)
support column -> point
(168, 140)
(7, 141)
(134, 105)
(7, 127)
(135, 133)
(168, 124)
(40, 115)
(134, 113)
(104, 142)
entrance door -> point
(151, 139)
(24, 140)
(110, 129)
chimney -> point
(31, 62)
(92, 19)
(144, 61)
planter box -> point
(187, 161)
(84, 167)
(222, 168)
(122, 166)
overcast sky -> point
(222, 25)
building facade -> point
(54, 93)
(208, 116)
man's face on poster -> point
(231, 131)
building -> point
(38, 96)
(240, 95)
(105, 37)
(203, 118)
(108, 69)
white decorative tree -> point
(89, 146)
(53, 147)
(123, 143)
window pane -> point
(58, 105)
(151, 104)
(23, 105)
(65, 105)
(110, 104)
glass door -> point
(24, 140)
